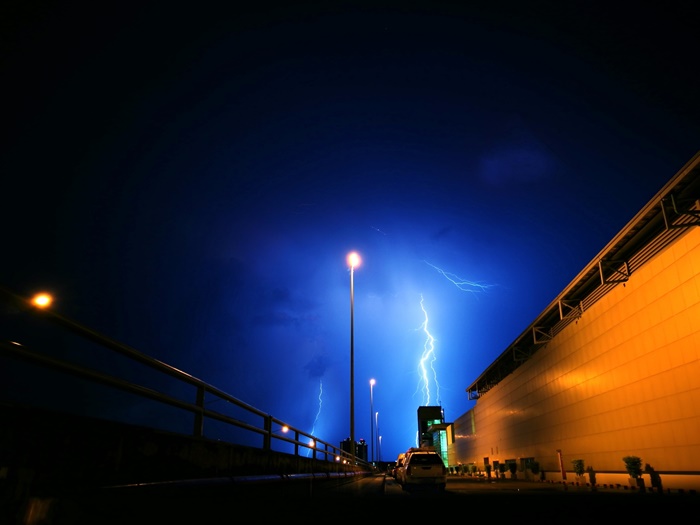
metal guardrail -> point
(20, 313)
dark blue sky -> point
(189, 180)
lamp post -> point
(371, 413)
(353, 261)
(376, 426)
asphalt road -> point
(221, 501)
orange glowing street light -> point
(42, 300)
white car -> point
(423, 469)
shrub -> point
(579, 468)
(633, 465)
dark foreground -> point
(226, 501)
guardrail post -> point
(198, 430)
(267, 437)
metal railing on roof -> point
(667, 216)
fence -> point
(169, 398)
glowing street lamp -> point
(353, 261)
(371, 414)
(42, 300)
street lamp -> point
(376, 425)
(353, 260)
(371, 413)
(42, 300)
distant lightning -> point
(463, 284)
(318, 413)
(427, 360)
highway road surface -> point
(225, 501)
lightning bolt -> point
(318, 413)
(463, 284)
(427, 360)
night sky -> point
(189, 179)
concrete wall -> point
(623, 380)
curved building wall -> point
(624, 379)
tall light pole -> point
(376, 425)
(371, 415)
(353, 260)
